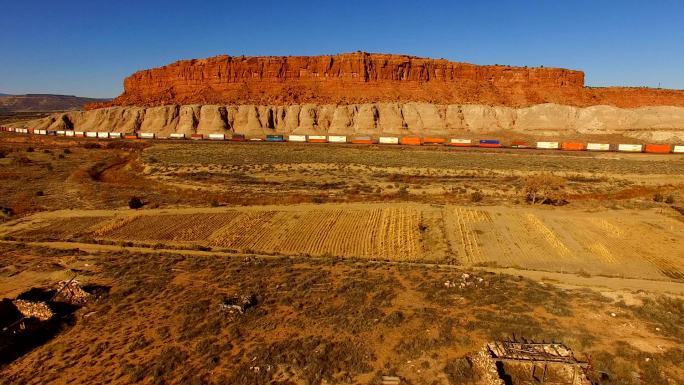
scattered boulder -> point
(238, 304)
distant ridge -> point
(43, 103)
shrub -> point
(29, 149)
(67, 151)
(476, 196)
(658, 197)
(135, 203)
(3, 154)
(669, 200)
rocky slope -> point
(645, 123)
(357, 78)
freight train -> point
(367, 140)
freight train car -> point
(598, 147)
(275, 138)
(410, 140)
(362, 140)
(337, 139)
(678, 149)
(296, 138)
(460, 143)
(217, 137)
(430, 140)
(630, 147)
(657, 148)
(388, 140)
(547, 145)
(176, 135)
(317, 139)
(572, 146)
(490, 143)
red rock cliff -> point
(362, 77)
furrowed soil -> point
(363, 261)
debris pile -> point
(71, 292)
(466, 281)
(39, 310)
(238, 304)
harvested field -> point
(630, 243)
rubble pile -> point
(71, 292)
(39, 310)
(487, 367)
(238, 304)
(466, 281)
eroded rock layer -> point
(646, 123)
(358, 78)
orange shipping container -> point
(658, 148)
(431, 140)
(570, 146)
(410, 140)
(491, 145)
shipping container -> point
(388, 140)
(176, 135)
(547, 145)
(103, 135)
(91, 134)
(256, 139)
(630, 147)
(296, 138)
(490, 143)
(70, 133)
(275, 138)
(41, 132)
(130, 135)
(79, 134)
(460, 142)
(61, 133)
(678, 149)
(317, 139)
(217, 137)
(520, 144)
(598, 146)
(410, 140)
(115, 135)
(337, 139)
(572, 146)
(433, 140)
(362, 140)
(657, 148)
(146, 135)
(197, 136)
(238, 138)
(10, 129)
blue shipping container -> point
(489, 141)
(275, 138)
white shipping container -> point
(103, 134)
(461, 141)
(547, 145)
(296, 138)
(61, 133)
(42, 132)
(70, 133)
(678, 149)
(317, 138)
(79, 133)
(177, 136)
(115, 135)
(630, 147)
(388, 140)
(217, 137)
(10, 129)
(337, 139)
(146, 135)
(598, 146)
(91, 134)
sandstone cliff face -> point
(413, 118)
(359, 78)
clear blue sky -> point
(87, 47)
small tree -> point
(545, 188)
(135, 203)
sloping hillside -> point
(43, 103)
